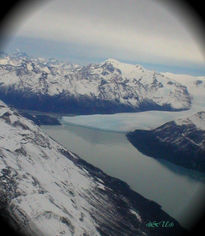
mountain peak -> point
(19, 53)
(112, 61)
(123, 65)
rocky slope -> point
(40, 119)
(181, 141)
(47, 190)
(108, 87)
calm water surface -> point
(179, 191)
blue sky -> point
(88, 31)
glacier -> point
(146, 120)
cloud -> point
(141, 30)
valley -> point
(89, 110)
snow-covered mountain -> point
(193, 83)
(47, 190)
(108, 87)
(181, 141)
(195, 86)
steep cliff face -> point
(108, 87)
(48, 190)
(181, 141)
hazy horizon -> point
(158, 36)
(193, 70)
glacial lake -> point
(179, 191)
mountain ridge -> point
(48, 190)
(108, 87)
(181, 141)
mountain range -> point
(46, 189)
(107, 87)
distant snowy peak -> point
(107, 87)
(21, 59)
(193, 83)
(127, 70)
(112, 61)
